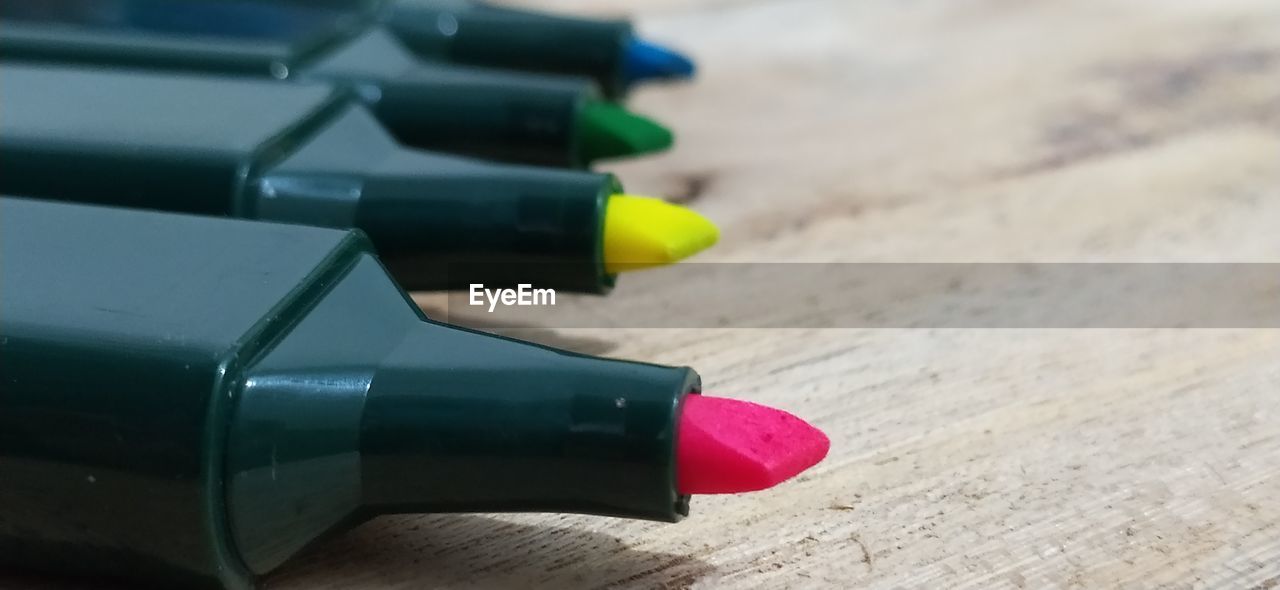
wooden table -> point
(935, 131)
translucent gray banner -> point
(1197, 295)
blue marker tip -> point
(648, 61)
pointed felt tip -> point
(606, 130)
(643, 60)
(727, 446)
(643, 232)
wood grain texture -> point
(977, 130)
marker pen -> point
(304, 153)
(503, 115)
(481, 33)
(189, 401)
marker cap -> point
(192, 400)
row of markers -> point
(212, 210)
(380, 93)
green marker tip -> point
(606, 130)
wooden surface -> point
(984, 130)
(976, 130)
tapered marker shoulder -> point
(189, 401)
(304, 153)
(514, 116)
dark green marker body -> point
(503, 115)
(299, 154)
(466, 31)
(189, 401)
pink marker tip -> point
(726, 446)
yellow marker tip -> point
(643, 232)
